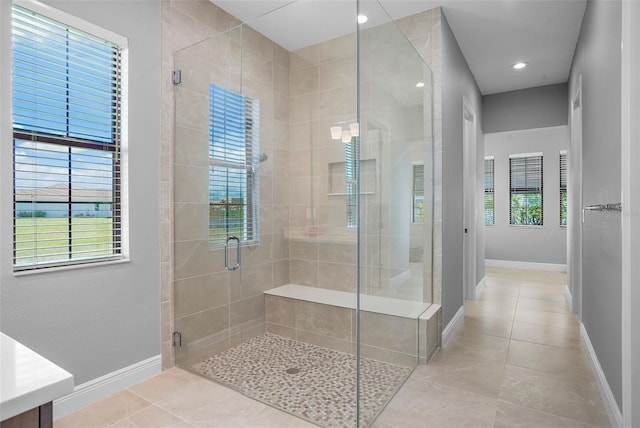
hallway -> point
(517, 360)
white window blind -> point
(418, 193)
(563, 188)
(525, 189)
(489, 192)
(233, 162)
(351, 181)
(66, 137)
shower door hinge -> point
(176, 77)
(177, 339)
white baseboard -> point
(568, 297)
(615, 415)
(96, 389)
(514, 264)
(452, 327)
(481, 286)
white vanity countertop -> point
(27, 379)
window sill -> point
(353, 194)
(69, 267)
(527, 226)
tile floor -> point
(517, 360)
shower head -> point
(263, 157)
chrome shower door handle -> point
(226, 253)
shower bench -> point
(388, 327)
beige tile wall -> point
(322, 89)
(383, 337)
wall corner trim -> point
(568, 297)
(452, 327)
(515, 264)
(96, 389)
(481, 286)
(615, 415)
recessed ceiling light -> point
(419, 84)
(362, 19)
(519, 65)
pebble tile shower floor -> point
(320, 388)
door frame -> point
(630, 184)
(469, 201)
(574, 207)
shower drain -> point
(293, 370)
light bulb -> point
(355, 129)
(346, 136)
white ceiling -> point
(493, 34)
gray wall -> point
(95, 320)
(539, 107)
(545, 244)
(597, 59)
(457, 81)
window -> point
(489, 194)
(351, 182)
(563, 188)
(418, 194)
(67, 114)
(525, 189)
(233, 164)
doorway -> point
(470, 209)
(574, 206)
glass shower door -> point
(216, 209)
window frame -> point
(114, 146)
(529, 158)
(351, 171)
(416, 191)
(563, 186)
(249, 164)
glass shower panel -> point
(394, 204)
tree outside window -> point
(525, 190)
(489, 194)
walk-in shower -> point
(311, 168)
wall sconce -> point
(345, 135)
